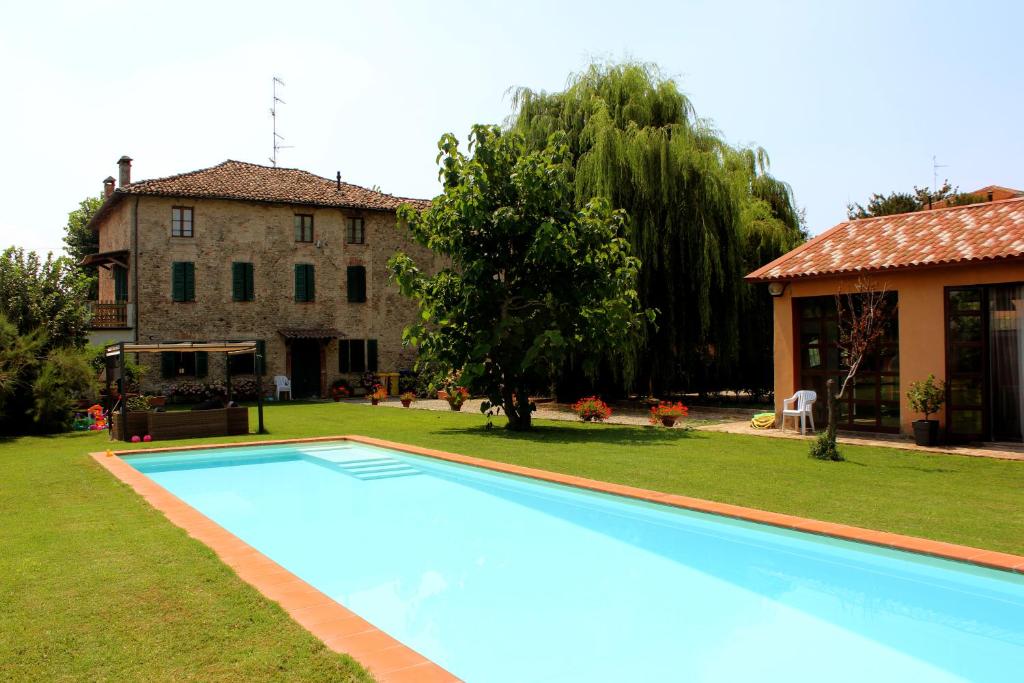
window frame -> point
(189, 292)
(178, 216)
(248, 281)
(300, 228)
(350, 230)
(309, 294)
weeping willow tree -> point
(701, 214)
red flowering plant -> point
(667, 412)
(591, 409)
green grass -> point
(95, 584)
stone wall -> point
(263, 234)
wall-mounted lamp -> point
(776, 288)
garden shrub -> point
(825, 448)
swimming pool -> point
(508, 579)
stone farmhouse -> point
(240, 252)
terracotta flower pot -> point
(455, 406)
(668, 421)
(374, 401)
(406, 403)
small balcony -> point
(108, 315)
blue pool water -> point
(506, 579)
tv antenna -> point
(278, 139)
(935, 173)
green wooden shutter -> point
(305, 282)
(120, 284)
(371, 355)
(168, 364)
(343, 360)
(356, 282)
(202, 363)
(238, 282)
(190, 281)
(250, 282)
(300, 282)
(177, 281)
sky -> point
(848, 98)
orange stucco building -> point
(956, 276)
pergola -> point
(231, 348)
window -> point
(242, 283)
(120, 276)
(356, 231)
(305, 282)
(183, 281)
(356, 281)
(181, 221)
(247, 363)
(303, 227)
(177, 364)
(357, 355)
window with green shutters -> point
(120, 284)
(356, 282)
(305, 282)
(242, 283)
(247, 363)
(183, 281)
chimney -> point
(124, 171)
(108, 186)
(339, 180)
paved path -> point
(1000, 451)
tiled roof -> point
(241, 180)
(962, 234)
(252, 182)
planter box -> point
(184, 424)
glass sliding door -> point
(872, 400)
(985, 362)
(1006, 360)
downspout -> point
(135, 266)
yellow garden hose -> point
(763, 421)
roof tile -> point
(976, 232)
(240, 180)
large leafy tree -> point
(48, 294)
(692, 204)
(907, 202)
(80, 240)
(532, 278)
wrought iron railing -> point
(107, 314)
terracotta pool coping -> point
(389, 660)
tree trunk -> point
(517, 410)
(830, 397)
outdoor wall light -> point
(776, 288)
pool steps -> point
(362, 468)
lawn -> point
(95, 584)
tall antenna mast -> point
(273, 117)
(935, 173)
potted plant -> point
(667, 413)
(926, 397)
(592, 409)
(407, 398)
(378, 394)
(340, 390)
(456, 397)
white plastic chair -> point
(282, 384)
(803, 401)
